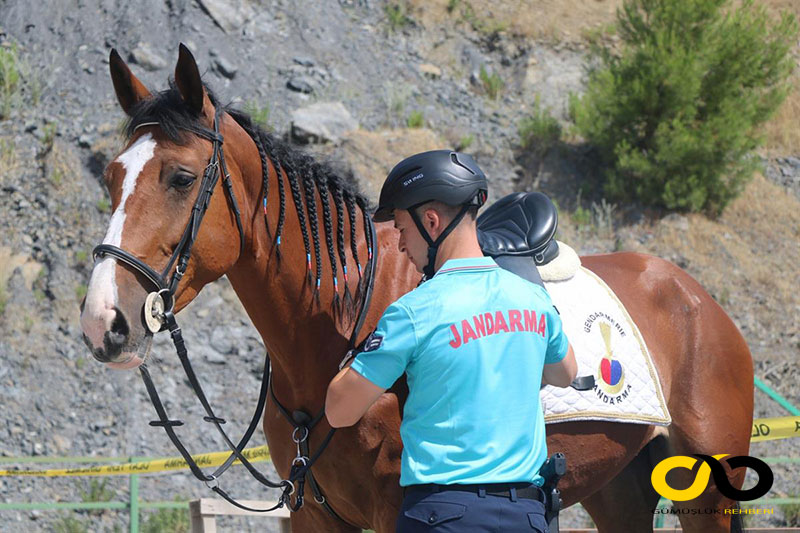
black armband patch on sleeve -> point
(372, 343)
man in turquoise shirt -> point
(474, 341)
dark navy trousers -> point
(454, 511)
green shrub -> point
(48, 137)
(674, 115)
(80, 291)
(397, 15)
(3, 299)
(595, 34)
(9, 80)
(97, 491)
(415, 120)
(582, 216)
(70, 524)
(791, 513)
(103, 205)
(167, 520)
(485, 25)
(539, 131)
(492, 83)
(396, 97)
(465, 142)
(258, 114)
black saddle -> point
(520, 224)
(517, 231)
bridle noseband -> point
(159, 316)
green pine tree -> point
(674, 115)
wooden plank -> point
(215, 507)
(200, 523)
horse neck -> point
(305, 332)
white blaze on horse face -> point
(101, 296)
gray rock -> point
(209, 354)
(222, 340)
(793, 162)
(676, 221)
(304, 61)
(301, 84)
(225, 67)
(228, 15)
(144, 55)
(321, 122)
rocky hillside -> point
(365, 83)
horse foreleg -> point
(627, 502)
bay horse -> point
(302, 301)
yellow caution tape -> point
(775, 428)
(764, 429)
(259, 453)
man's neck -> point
(460, 244)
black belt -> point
(526, 491)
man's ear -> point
(432, 220)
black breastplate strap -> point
(303, 422)
(300, 472)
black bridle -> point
(180, 257)
(159, 316)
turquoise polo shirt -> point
(472, 342)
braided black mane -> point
(291, 164)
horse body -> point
(702, 360)
(697, 350)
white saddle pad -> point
(608, 346)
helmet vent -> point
(455, 160)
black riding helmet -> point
(449, 177)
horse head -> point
(157, 204)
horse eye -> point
(182, 180)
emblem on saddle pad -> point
(610, 372)
(610, 384)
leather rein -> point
(159, 316)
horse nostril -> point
(116, 337)
(119, 326)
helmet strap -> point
(433, 246)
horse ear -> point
(187, 78)
(130, 91)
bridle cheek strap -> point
(215, 169)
